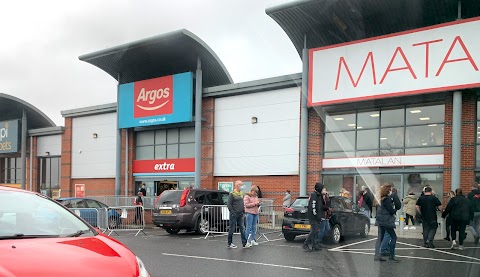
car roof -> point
(74, 198)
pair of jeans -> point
(385, 246)
(324, 228)
(460, 226)
(429, 230)
(312, 238)
(475, 225)
(393, 241)
(251, 228)
(236, 220)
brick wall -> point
(95, 187)
(66, 161)
(208, 113)
(131, 152)
(315, 145)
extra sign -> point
(156, 101)
(437, 58)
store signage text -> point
(164, 166)
(9, 136)
(386, 161)
(153, 97)
(437, 58)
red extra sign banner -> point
(164, 166)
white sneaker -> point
(248, 245)
(413, 228)
(454, 244)
(231, 245)
(405, 228)
(254, 242)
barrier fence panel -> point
(270, 218)
(95, 217)
(126, 218)
(117, 201)
(215, 220)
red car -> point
(40, 237)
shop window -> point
(144, 153)
(415, 183)
(425, 114)
(393, 117)
(330, 155)
(368, 120)
(145, 138)
(341, 141)
(367, 139)
(341, 122)
(391, 138)
(186, 150)
(367, 153)
(165, 144)
(49, 175)
(10, 170)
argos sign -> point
(9, 138)
(156, 101)
(436, 58)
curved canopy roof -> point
(328, 22)
(12, 108)
(162, 55)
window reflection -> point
(340, 122)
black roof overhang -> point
(162, 55)
(12, 108)
(329, 22)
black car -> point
(345, 220)
(176, 209)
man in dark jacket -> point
(315, 213)
(237, 209)
(461, 212)
(427, 207)
(474, 198)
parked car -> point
(176, 210)
(90, 215)
(52, 241)
(346, 219)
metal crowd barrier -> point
(116, 201)
(270, 219)
(114, 219)
(215, 220)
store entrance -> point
(156, 187)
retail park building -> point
(387, 94)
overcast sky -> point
(42, 40)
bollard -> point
(402, 224)
(273, 218)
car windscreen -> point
(300, 203)
(170, 197)
(31, 215)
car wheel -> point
(289, 237)
(112, 223)
(202, 226)
(366, 230)
(172, 231)
(336, 234)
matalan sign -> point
(385, 161)
(437, 58)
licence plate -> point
(165, 211)
(301, 226)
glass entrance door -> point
(373, 182)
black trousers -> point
(429, 230)
(312, 238)
(411, 218)
(460, 226)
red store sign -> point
(164, 166)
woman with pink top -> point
(251, 210)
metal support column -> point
(118, 156)
(126, 162)
(24, 150)
(30, 187)
(304, 123)
(198, 124)
(456, 139)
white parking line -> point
(347, 245)
(410, 257)
(440, 251)
(405, 248)
(235, 261)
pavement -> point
(188, 254)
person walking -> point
(252, 204)
(386, 222)
(325, 221)
(448, 219)
(409, 203)
(138, 210)
(427, 205)
(474, 197)
(314, 213)
(287, 199)
(365, 201)
(387, 239)
(143, 190)
(237, 209)
(461, 212)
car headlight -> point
(141, 268)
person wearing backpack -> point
(474, 197)
(460, 211)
